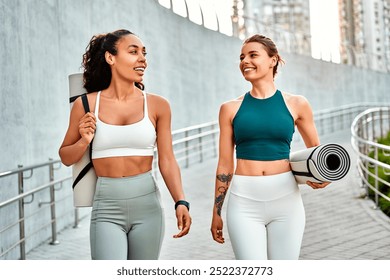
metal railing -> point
(340, 118)
(366, 129)
(24, 173)
(191, 145)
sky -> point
(323, 22)
(325, 31)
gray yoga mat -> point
(84, 190)
(323, 163)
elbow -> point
(313, 144)
(66, 163)
(63, 159)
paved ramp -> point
(339, 226)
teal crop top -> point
(263, 128)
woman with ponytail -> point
(265, 214)
(125, 124)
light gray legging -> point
(265, 217)
(127, 220)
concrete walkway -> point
(339, 224)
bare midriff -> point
(261, 168)
(117, 167)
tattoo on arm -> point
(219, 199)
(225, 178)
(222, 191)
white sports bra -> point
(137, 139)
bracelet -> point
(182, 202)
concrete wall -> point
(196, 69)
(329, 85)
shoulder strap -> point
(90, 164)
(82, 173)
(84, 98)
(146, 113)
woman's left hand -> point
(183, 221)
(315, 185)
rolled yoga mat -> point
(84, 179)
(323, 163)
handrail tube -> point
(21, 216)
(193, 127)
(350, 106)
(364, 131)
(360, 163)
(26, 168)
(373, 175)
(54, 240)
(197, 145)
(12, 247)
(10, 226)
(21, 241)
(372, 188)
(376, 162)
(193, 137)
(373, 118)
(371, 143)
(30, 192)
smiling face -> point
(255, 62)
(130, 62)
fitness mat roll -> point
(323, 163)
(84, 179)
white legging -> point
(265, 217)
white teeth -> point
(248, 69)
(139, 69)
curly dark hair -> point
(269, 47)
(97, 72)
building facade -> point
(287, 22)
(365, 33)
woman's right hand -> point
(87, 127)
(216, 229)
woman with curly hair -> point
(125, 124)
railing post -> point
(388, 119)
(54, 240)
(351, 116)
(373, 126)
(366, 147)
(376, 180)
(214, 141)
(186, 148)
(76, 218)
(200, 146)
(381, 123)
(332, 125)
(22, 233)
(361, 150)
